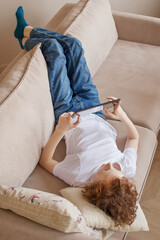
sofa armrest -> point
(137, 28)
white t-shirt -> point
(88, 146)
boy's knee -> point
(51, 48)
(77, 47)
(52, 44)
(76, 43)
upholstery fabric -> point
(94, 21)
(26, 117)
(131, 72)
(6, 70)
(95, 217)
(22, 228)
(47, 209)
(63, 19)
(137, 28)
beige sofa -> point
(129, 71)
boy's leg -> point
(78, 71)
(85, 93)
(60, 89)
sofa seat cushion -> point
(42, 180)
(26, 116)
(131, 72)
(13, 226)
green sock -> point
(21, 24)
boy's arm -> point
(46, 160)
(65, 123)
(132, 134)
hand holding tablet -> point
(96, 108)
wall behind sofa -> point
(39, 12)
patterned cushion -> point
(47, 209)
(95, 217)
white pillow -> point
(95, 28)
(47, 209)
(95, 217)
(26, 116)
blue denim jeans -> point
(70, 80)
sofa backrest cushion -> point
(91, 21)
(26, 116)
(8, 67)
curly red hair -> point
(117, 199)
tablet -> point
(96, 108)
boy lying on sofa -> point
(92, 160)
